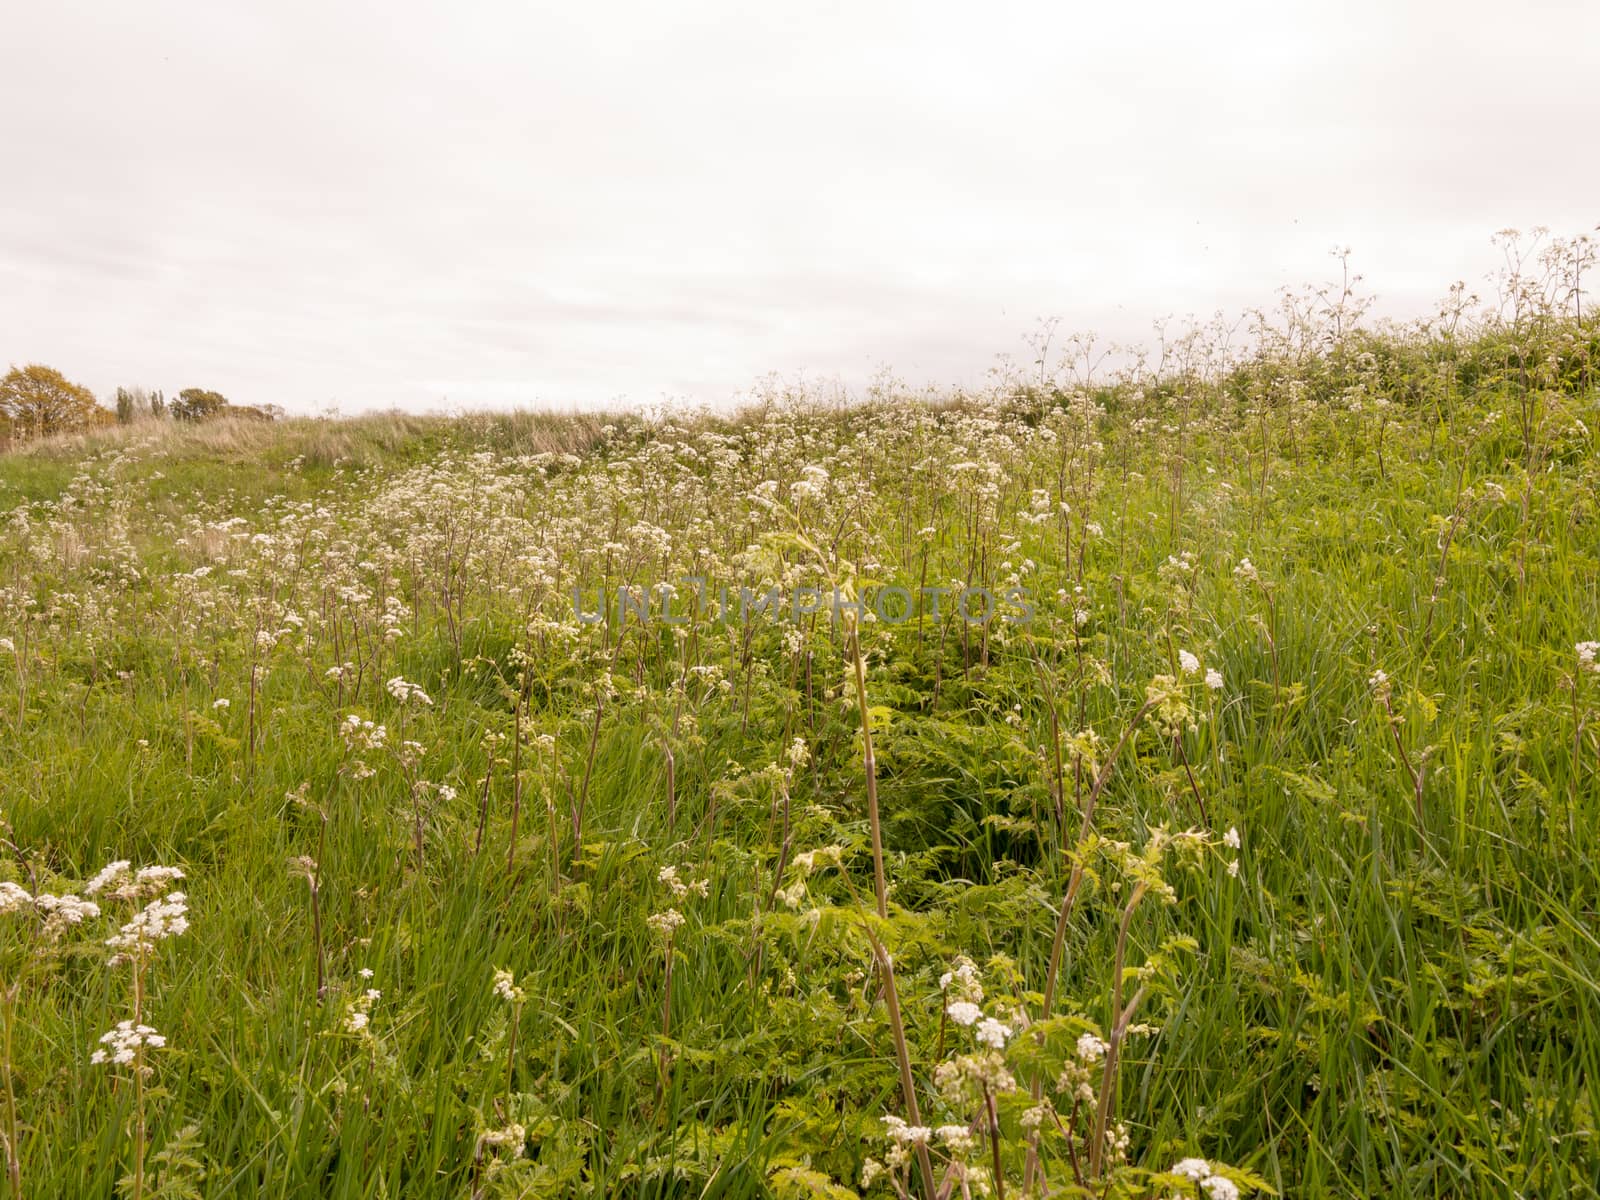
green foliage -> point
(198, 404)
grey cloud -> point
(412, 205)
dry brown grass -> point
(365, 440)
(374, 439)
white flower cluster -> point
(68, 909)
(665, 923)
(963, 994)
(1091, 1047)
(120, 1046)
(156, 921)
(1189, 664)
(407, 693)
(1586, 656)
(505, 986)
(963, 1012)
(59, 911)
(896, 1130)
(360, 737)
(958, 1139)
(363, 735)
(681, 888)
(1198, 1170)
(967, 1077)
(961, 983)
(120, 882)
(13, 897)
(358, 1013)
(1232, 841)
(992, 1033)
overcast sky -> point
(451, 205)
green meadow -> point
(1248, 847)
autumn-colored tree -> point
(36, 400)
(197, 404)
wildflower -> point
(963, 1013)
(1091, 1048)
(358, 1012)
(1220, 1187)
(962, 982)
(664, 924)
(1192, 1168)
(1117, 1139)
(157, 876)
(1231, 838)
(679, 887)
(993, 1033)
(221, 702)
(7, 645)
(907, 1135)
(108, 874)
(505, 986)
(1586, 656)
(62, 911)
(120, 883)
(1246, 571)
(13, 897)
(806, 862)
(120, 1046)
(407, 692)
(1233, 869)
(957, 1139)
(967, 1078)
(871, 1168)
(1189, 664)
(158, 920)
(1214, 679)
(1074, 1081)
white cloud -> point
(407, 204)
